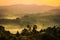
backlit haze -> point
(38, 2)
(40, 12)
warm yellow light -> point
(38, 2)
(49, 2)
(10, 18)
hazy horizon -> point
(29, 2)
(15, 14)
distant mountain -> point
(31, 15)
(51, 17)
(28, 8)
(18, 10)
(55, 10)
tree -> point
(29, 28)
(25, 32)
(17, 34)
(34, 31)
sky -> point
(38, 2)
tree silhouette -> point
(25, 32)
(17, 34)
(51, 33)
(28, 26)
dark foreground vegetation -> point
(51, 33)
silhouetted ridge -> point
(51, 33)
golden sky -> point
(38, 2)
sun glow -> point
(38, 2)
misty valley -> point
(29, 22)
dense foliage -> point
(51, 33)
